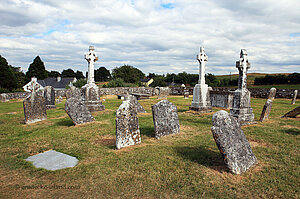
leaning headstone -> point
(73, 92)
(294, 97)
(139, 107)
(201, 99)
(34, 106)
(266, 110)
(77, 111)
(232, 143)
(52, 160)
(272, 94)
(241, 108)
(163, 92)
(127, 125)
(90, 91)
(293, 113)
(4, 97)
(165, 118)
(49, 95)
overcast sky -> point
(159, 36)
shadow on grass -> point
(147, 130)
(64, 123)
(292, 131)
(203, 156)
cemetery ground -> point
(180, 166)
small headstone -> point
(52, 160)
(165, 118)
(293, 113)
(73, 92)
(4, 97)
(272, 94)
(139, 107)
(186, 93)
(163, 92)
(34, 108)
(58, 100)
(266, 110)
(77, 111)
(232, 143)
(49, 95)
(294, 97)
(127, 125)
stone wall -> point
(255, 92)
(221, 98)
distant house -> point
(146, 82)
(57, 83)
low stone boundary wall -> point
(255, 92)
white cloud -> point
(161, 36)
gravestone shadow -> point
(147, 131)
(65, 123)
(292, 131)
(203, 156)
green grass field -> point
(187, 165)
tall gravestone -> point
(294, 97)
(201, 98)
(49, 95)
(77, 111)
(90, 91)
(268, 105)
(34, 106)
(127, 125)
(232, 143)
(241, 108)
(165, 119)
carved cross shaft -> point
(243, 65)
(202, 58)
(91, 59)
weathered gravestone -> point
(293, 113)
(232, 143)
(163, 92)
(4, 97)
(294, 97)
(90, 91)
(165, 118)
(139, 107)
(127, 125)
(77, 111)
(58, 100)
(73, 92)
(52, 160)
(268, 105)
(241, 108)
(186, 93)
(49, 95)
(201, 98)
(34, 106)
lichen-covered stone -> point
(127, 125)
(139, 107)
(232, 143)
(73, 92)
(272, 94)
(34, 108)
(49, 95)
(165, 118)
(294, 97)
(163, 92)
(91, 97)
(58, 100)
(77, 111)
(293, 113)
(266, 110)
(241, 108)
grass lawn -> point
(181, 166)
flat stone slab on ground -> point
(293, 113)
(232, 143)
(52, 160)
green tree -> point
(36, 69)
(54, 73)
(8, 79)
(102, 74)
(79, 75)
(68, 73)
(128, 73)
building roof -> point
(145, 80)
(52, 81)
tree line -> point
(293, 78)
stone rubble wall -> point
(255, 92)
